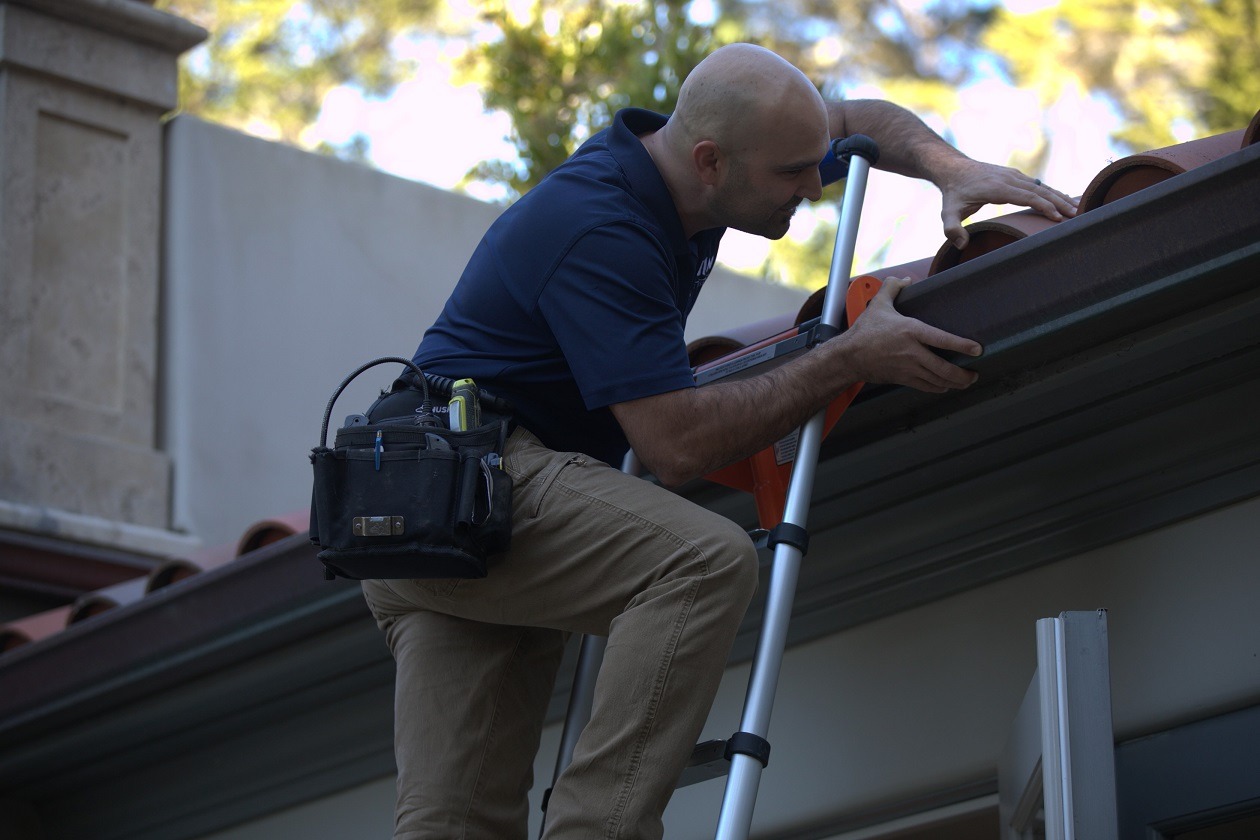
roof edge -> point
(261, 601)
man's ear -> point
(709, 162)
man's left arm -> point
(908, 147)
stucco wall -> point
(282, 272)
(922, 701)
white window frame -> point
(1057, 777)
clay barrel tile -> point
(176, 569)
(95, 603)
(990, 235)
(23, 631)
(1137, 172)
(711, 347)
(916, 271)
(272, 530)
(1252, 133)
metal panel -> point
(1193, 776)
(1060, 763)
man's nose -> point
(811, 188)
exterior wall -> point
(921, 702)
(283, 272)
(366, 811)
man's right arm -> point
(681, 435)
(908, 147)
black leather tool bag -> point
(407, 497)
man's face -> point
(765, 184)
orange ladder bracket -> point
(766, 474)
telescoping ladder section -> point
(783, 490)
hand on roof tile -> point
(689, 432)
(884, 346)
(967, 185)
(908, 147)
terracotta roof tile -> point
(1116, 181)
(706, 349)
(990, 235)
(33, 628)
(175, 569)
(63, 570)
(95, 603)
(916, 271)
(273, 530)
(1136, 172)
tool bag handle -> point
(426, 407)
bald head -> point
(737, 95)
(743, 145)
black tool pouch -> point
(408, 498)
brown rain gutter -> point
(261, 601)
(1186, 243)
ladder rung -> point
(708, 761)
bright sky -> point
(433, 131)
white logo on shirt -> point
(706, 266)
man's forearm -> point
(906, 145)
(683, 434)
(694, 432)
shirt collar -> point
(645, 179)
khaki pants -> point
(593, 551)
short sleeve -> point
(612, 306)
(832, 169)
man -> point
(573, 308)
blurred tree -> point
(268, 63)
(924, 47)
(557, 68)
(1227, 95)
(803, 263)
(560, 69)
(1172, 68)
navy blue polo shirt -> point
(577, 295)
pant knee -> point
(733, 563)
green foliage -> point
(563, 69)
(560, 68)
(802, 263)
(1228, 95)
(1165, 64)
(268, 63)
